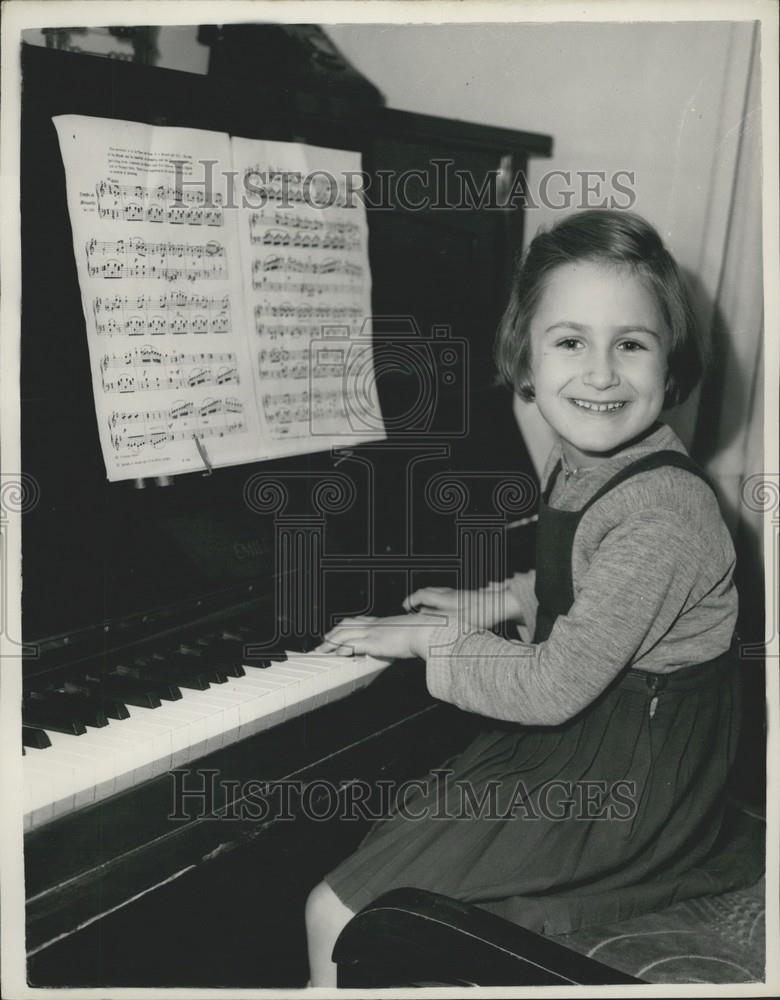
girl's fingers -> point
(426, 597)
(343, 636)
(347, 623)
(327, 646)
(358, 620)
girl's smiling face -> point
(599, 351)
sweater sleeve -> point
(638, 583)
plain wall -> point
(665, 101)
(640, 97)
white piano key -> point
(152, 745)
(131, 756)
(212, 718)
(98, 745)
(39, 790)
(265, 705)
(62, 780)
(177, 719)
(258, 686)
(187, 711)
(43, 789)
(328, 678)
(307, 693)
(94, 755)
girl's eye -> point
(631, 346)
(569, 343)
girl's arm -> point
(640, 581)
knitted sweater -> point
(652, 565)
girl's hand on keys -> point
(396, 637)
(484, 608)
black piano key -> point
(92, 695)
(251, 637)
(181, 661)
(226, 667)
(235, 633)
(184, 666)
(233, 669)
(306, 643)
(39, 717)
(58, 705)
(260, 663)
(79, 707)
(225, 656)
(154, 668)
(245, 636)
(135, 692)
(244, 641)
(113, 707)
(32, 737)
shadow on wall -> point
(723, 378)
(727, 379)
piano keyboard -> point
(79, 770)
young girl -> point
(610, 779)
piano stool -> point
(410, 937)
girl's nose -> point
(600, 372)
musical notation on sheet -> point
(280, 363)
(156, 315)
(283, 229)
(135, 258)
(188, 294)
(305, 310)
(296, 407)
(147, 368)
(295, 265)
(135, 430)
(305, 261)
(163, 203)
(158, 263)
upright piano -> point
(168, 672)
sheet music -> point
(161, 288)
(307, 294)
(219, 330)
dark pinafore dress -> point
(614, 813)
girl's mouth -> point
(592, 407)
